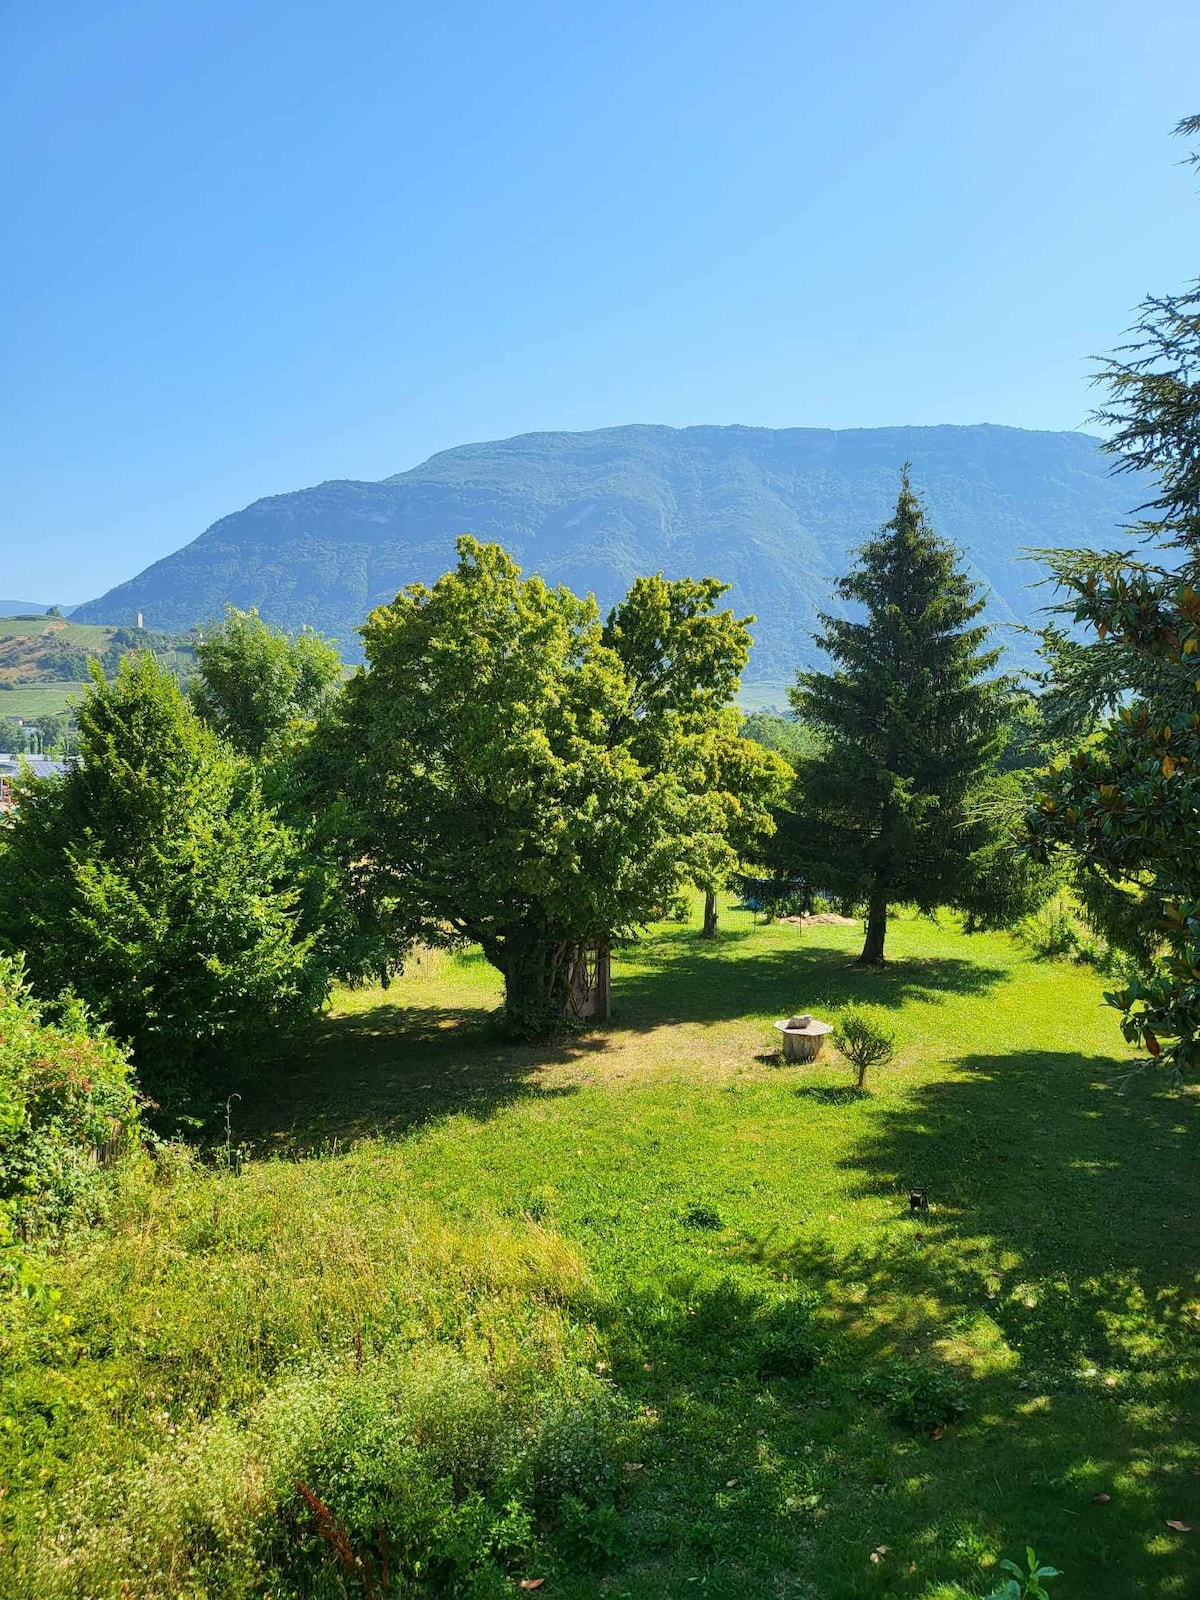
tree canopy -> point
(1125, 804)
(255, 679)
(530, 779)
(153, 880)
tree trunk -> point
(537, 985)
(710, 914)
(872, 951)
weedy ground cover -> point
(697, 1341)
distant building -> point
(12, 768)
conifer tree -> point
(155, 882)
(910, 721)
(1126, 803)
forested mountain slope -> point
(774, 511)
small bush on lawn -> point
(68, 1108)
(914, 1395)
(1058, 932)
(1054, 932)
(863, 1040)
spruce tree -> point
(910, 722)
(1124, 806)
(154, 881)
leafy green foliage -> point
(914, 1395)
(1124, 804)
(788, 737)
(1028, 1584)
(911, 726)
(154, 881)
(531, 781)
(255, 679)
(864, 1040)
(424, 1450)
(590, 1535)
(67, 1110)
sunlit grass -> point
(664, 1185)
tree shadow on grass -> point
(795, 1426)
(831, 1094)
(675, 980)
(1056, 1279)
(382, 1071)
(1045, 1153)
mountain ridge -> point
(774, 511)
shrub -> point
(67, 1109)
(154, 879)
(863, 1040)
(414, 1474)
(914, 1395)
(1052, 933)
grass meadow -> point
(803, 1390)
(39, 699)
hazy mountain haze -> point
(774, 512)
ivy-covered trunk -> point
(538, 972)
(877, 909)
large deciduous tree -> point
(753, 780)
(529, 779)
(153, 880)
(256, 679)
(910, 719)
(1126, 802)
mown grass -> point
(727, 1240)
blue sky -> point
(252, 247)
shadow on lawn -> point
(1043, 1152)
(777, 1429)
(686, 979)
(1063, 1224)
(382, 1071)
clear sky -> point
(252, 246)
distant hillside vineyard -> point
(775, 512)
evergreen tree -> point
(154, 881)
(909, 724)
(1125, 803)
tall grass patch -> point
(294, 1380)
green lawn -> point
(700, 1190)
